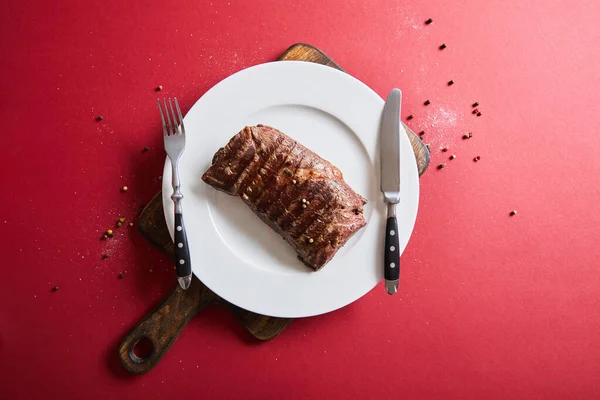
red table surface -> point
(490, 306)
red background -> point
(491, 306)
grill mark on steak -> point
(244, 173)
(290, 196)
(254, 179)
(275, 167)
(319, 230)
(260, 163)
(227, 163)
(304, 190)
(317, 202)
(249, 167)
(272, 211)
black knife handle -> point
(182, 251)
(391, 257)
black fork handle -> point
(182, 253)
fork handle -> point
(182, 253)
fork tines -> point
(173, 125)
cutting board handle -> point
(161, 328)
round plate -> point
(235, 254)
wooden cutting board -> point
(161, 327)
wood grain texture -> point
(163, 325)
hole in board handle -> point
(141, 351)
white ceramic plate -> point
(235, 254)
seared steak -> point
(297, 193)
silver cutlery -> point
(174, 138)
(389, 141)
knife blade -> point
(389, 141)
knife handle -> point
(392, 247)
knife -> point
(389, 141)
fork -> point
(174, 137)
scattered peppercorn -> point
(427, 102)
(441, 166)
(410, 117)
(479, 114)
(121, 275)
(475, 104)
(99, 118)
(105, 256)
(145, 149)
(513, 213)
(444, 149)
(159, 88)
(443, 46)
(421, 133)
(429, 21)
(452, 157)
(450, 83)
(55, 288)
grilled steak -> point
(297, 193)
